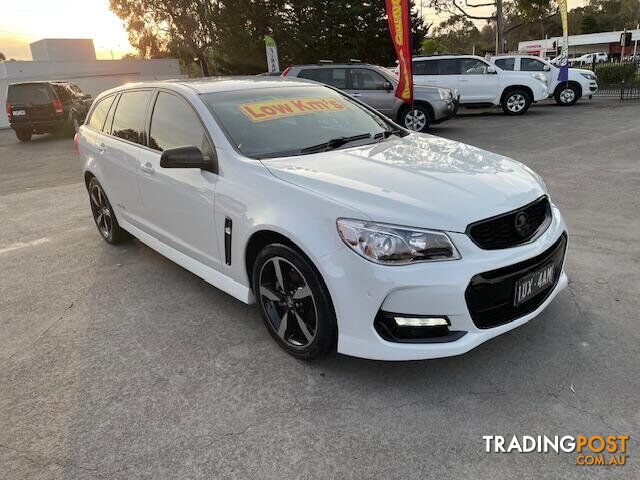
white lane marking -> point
(19, 245)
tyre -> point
(104, 216)
(294, 302)
(515, 102)
(417, 118)
(566, 95)
(24, 135)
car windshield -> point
(283, 121)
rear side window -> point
(128, 121)
(100, 113)
(336, 77)
(425, 67)
(506, 63)
(175, 124)
(448, 66)
(30, 94)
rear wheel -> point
(417, 118)
(23, 134)
(104, 216)
(516, 102)
(566, 95)
(294, 302)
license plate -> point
(17, 113)
(532, 284)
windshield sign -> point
(294, 120)
(272, 109)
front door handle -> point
(147, 168)
(356, 95)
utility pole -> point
(499, 28)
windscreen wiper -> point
(388, 133)
(334, 143)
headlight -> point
(589, 76)
(394, 245)
(445, 94)
(540, 76)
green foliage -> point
(614, 74)
(430, 46)
(227, 36)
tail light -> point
(9, 114)
(57, 105)
(285, 72)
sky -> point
(26, 21)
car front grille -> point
(490, 295)
(512, 228)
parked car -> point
(581, 82)
(348, 231)
(596, 57)
(479, 82)
(45, 107)
(376, 87)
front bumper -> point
(445, 109)
(361, 289)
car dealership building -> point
(75, 60)
(607, 42)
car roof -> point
(217, 84)
(330, 65)
(438, 57)
(41, 82)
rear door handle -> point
(356, 94)
(101, 147)
(147, 168)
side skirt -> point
(208, 274)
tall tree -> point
(2, 57)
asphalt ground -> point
(117, 363)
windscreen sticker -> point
(289, 107)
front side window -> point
(365, 79)
(271, 122)
(473, 66)
(128, 121)
(175, 124)
(531, 65)
(100, 112)
(506, 63)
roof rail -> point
(355, 60)
(325, 61)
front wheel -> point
(516, 102)
(294, 302)
(417, 118)
(566, 95)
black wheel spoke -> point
(271, 294)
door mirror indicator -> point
(186, 157)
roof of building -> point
(574, 40)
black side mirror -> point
(187, 157)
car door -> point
(425, 72)
(534, 65)
(476, 84)
(120, 149)
(178, 202)
(371, 88)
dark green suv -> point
(46, 107)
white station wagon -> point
(349, 232)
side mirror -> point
(491, 69)
(546, 68)
(388, 86)
(186, 157)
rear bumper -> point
(39, 126)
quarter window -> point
(128, 121)
(175, 124)
(506, 63)
(100, 113)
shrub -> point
(616, 73)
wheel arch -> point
(405, 106)
(511, 88)
(572, 83)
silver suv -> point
(376, 86)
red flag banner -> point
(400, 28)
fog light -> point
(421, 321)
